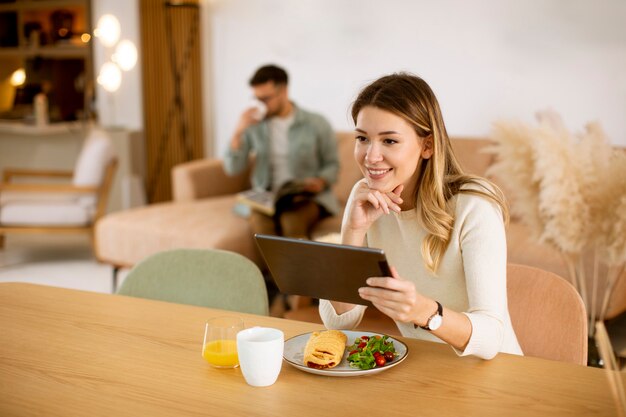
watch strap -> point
(439, 312)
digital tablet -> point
(321, 270)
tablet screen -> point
(321, 270)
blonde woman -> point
(442, 230)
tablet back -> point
(321, 270)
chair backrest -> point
(202, 277)
(547, 314)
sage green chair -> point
(202, 277)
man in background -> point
(291, 145)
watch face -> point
(435, 322)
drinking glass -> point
(220, 341)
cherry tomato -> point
(365, 337)
(377, 354)
(362, 345)
(389, 356)
(353, 352)
(380, 361)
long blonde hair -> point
(441, 176)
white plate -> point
(294, 355)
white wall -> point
(484, 59)
(123, 108)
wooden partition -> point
(172, 86)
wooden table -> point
(73, 353)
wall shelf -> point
(44, 37)
(67, 51)
(19, 5)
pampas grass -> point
(561, 202)
(514, 147)
(570, 189)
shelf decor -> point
(50, 42)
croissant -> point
(325, 349)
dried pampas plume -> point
(562, 205)
(514, 170)
(593, 156)
(570, 190)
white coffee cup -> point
(260, 109)
(260, 351)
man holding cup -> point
(292, 146)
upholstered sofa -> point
(201, 216)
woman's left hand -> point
(398, 298)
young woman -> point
(442, 230)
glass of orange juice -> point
(220, 341)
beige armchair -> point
(59, 201)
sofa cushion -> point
(49, 213)
(125, 238)
(471, 155)
(349, 172)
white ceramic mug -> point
(260, 351)
(260, 109)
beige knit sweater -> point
(471, 277)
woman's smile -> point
(377, 173)
(388, 151)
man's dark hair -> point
(269, 73)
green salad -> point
(371, 352)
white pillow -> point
(52, 213)
(94, 156)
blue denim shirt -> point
(312, 153)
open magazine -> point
(268, 202)
(262, 201)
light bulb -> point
(108, 30)
(110, 77)
(18, 77)
(125, 55)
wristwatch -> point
(435, 321)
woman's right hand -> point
(369, 204)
